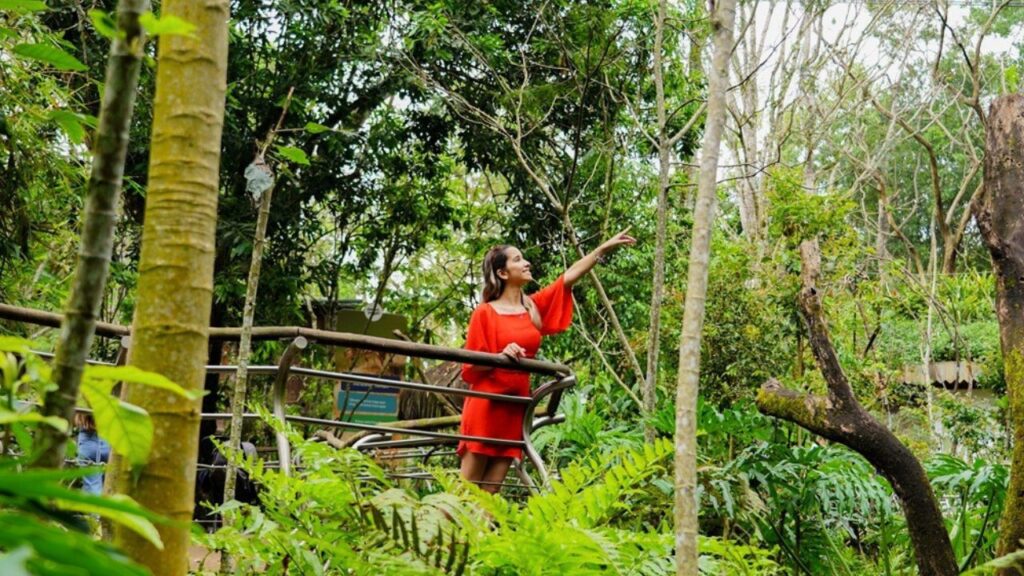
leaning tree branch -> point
(838, 416)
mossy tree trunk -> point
(723, 15)
(98, 222)
(840, 417)
(175, 286)
(998, 213)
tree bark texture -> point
(175, 286)
(723, 16)
(98, 223)
(840, 417)
(998, 214)
(650, 384)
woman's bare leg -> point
(473, 466)
(494, 475)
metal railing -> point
(382, 436)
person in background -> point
(92, 450)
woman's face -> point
(517, 269)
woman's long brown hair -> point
(496, 259)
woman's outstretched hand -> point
(585, 264)
(621, 239)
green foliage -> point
(339, 512)
(797, 214)
(22, 5)
(41, 520)
(750, 324)
(165, 25)
(731, 559)
(293, 154)
(49, 54)
(127, 427)
(586, 431)
(975, 494)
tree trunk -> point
(650, 385)
(998, 216)
(839, 417)
(175, 286)
(245, 343)
(723, 15)
(99, 221)
(258, 168)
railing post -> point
(290, 357)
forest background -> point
(418, 134)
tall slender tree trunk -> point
(245, 342)
(99, 221)
(175, 287)
(258, 168)
(723, 15)
(998, 216)
(650, 388)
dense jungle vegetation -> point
(827, 198)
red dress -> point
(490, 331)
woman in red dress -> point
(511, 323)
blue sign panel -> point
(365, 403)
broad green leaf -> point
(314, 128)
(22, 5)
(127, 427)
(138, 524)
(104, 23)
(136, 376)
(294, 154)
(166, 25)
(50, 55)
(71, 123)
(47, 484)
(34, 418)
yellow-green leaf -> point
(167, 25)
(33, 418)
(138, 524)
(22, 5)
(137, 376)
(13, 344)
(314, 128)
(125, 426)
(293, 154)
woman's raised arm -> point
(584, 265)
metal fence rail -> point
(383, 436)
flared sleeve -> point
(480, 338)
(554, 303)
